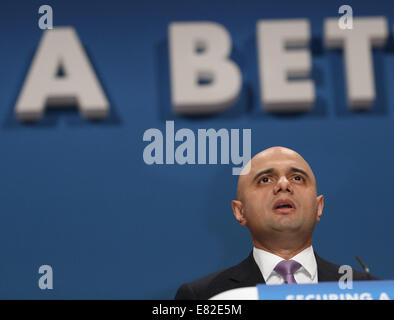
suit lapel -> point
(247, 273)
(326, 271)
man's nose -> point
(283, 185)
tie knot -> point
(286, 269)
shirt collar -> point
(267, 261)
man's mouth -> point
(284, 206)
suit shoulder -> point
(205, 287)
(244, 274)
(328, 271)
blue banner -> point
(361, 290)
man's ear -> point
(320, 206)
(238, 211)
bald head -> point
(277, 200)
(268, 160)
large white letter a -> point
(60, 47)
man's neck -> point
(285, 251)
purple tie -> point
(286, 269)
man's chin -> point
(287, 225)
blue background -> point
(78, 196)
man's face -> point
(278, 195)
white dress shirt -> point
(267, 261)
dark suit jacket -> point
(247, 274)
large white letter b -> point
(203, 79)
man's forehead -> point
(277, 158)
(284, 162)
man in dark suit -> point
(277, 201)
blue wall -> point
(78, 196)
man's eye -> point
(264, 179)
(298, 178)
